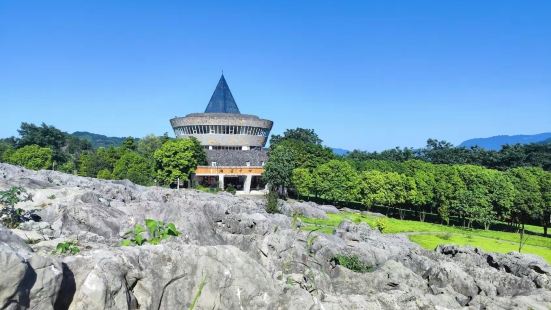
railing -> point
(229, 170)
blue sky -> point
(364, 74)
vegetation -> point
(177, 159)
(156, 231)
(32, 157)
(46, 147)
(197, 295)
(351, 262)
(272, 205)
(67, 247)
(9, 215)
(430, 235)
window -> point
(213, 164)
(247, 163)
(211, 129)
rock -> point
(244, 257)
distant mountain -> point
(495, 143)
(98, 140)
(340, 152)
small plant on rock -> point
(351, 262)
(380, 224)
(67, 247)
(9, 215)
(156, 230)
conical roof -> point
(222, 100)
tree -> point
(528, 200)
(374, 188)
(44, 136)
(90, 163)
(448, 190)
(177, 159)
(32, 157)
(302, 181)
(134, 167)
(129, 144)
(307, 136)
(278, 169)
(544, 182)
(149, 144)
(336, 181)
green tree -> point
(375, 188)
(528, 199)
(336, 181)
(307, 136)
(177, 159)
(279, 168)
(448, 190)
(32, 157)
(104, 174)
(134, 167)
(302, 181)
(149, 144)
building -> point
(234, 142)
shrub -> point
(352, 262)
(67, 247)
(9, 215)
(32, 157)
(380, 223)
(104, 174)
(157, 231)
(272, 202)
(446, 236)
(231, 189)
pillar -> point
(247, 185)
(221, 181)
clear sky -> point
(364, 74)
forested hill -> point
(98, 140)
(495, 143)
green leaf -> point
(75, 250)
(139, 239)
(138, 229)
(126, 242)
(171, 230)
(152, 227)
(155, 241)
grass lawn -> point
(488, 240)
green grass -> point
(488, 240)
(431, 241)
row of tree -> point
(442, 152)
(147, 161)
(472, 193)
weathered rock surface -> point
(244, 257)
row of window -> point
(230, 147)
(221, 129)
(247, 163)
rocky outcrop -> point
(233, 255)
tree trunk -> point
(422, 216)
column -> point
(247, 185)
(221, 181)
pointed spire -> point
(222, 100)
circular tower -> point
(222, 126)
